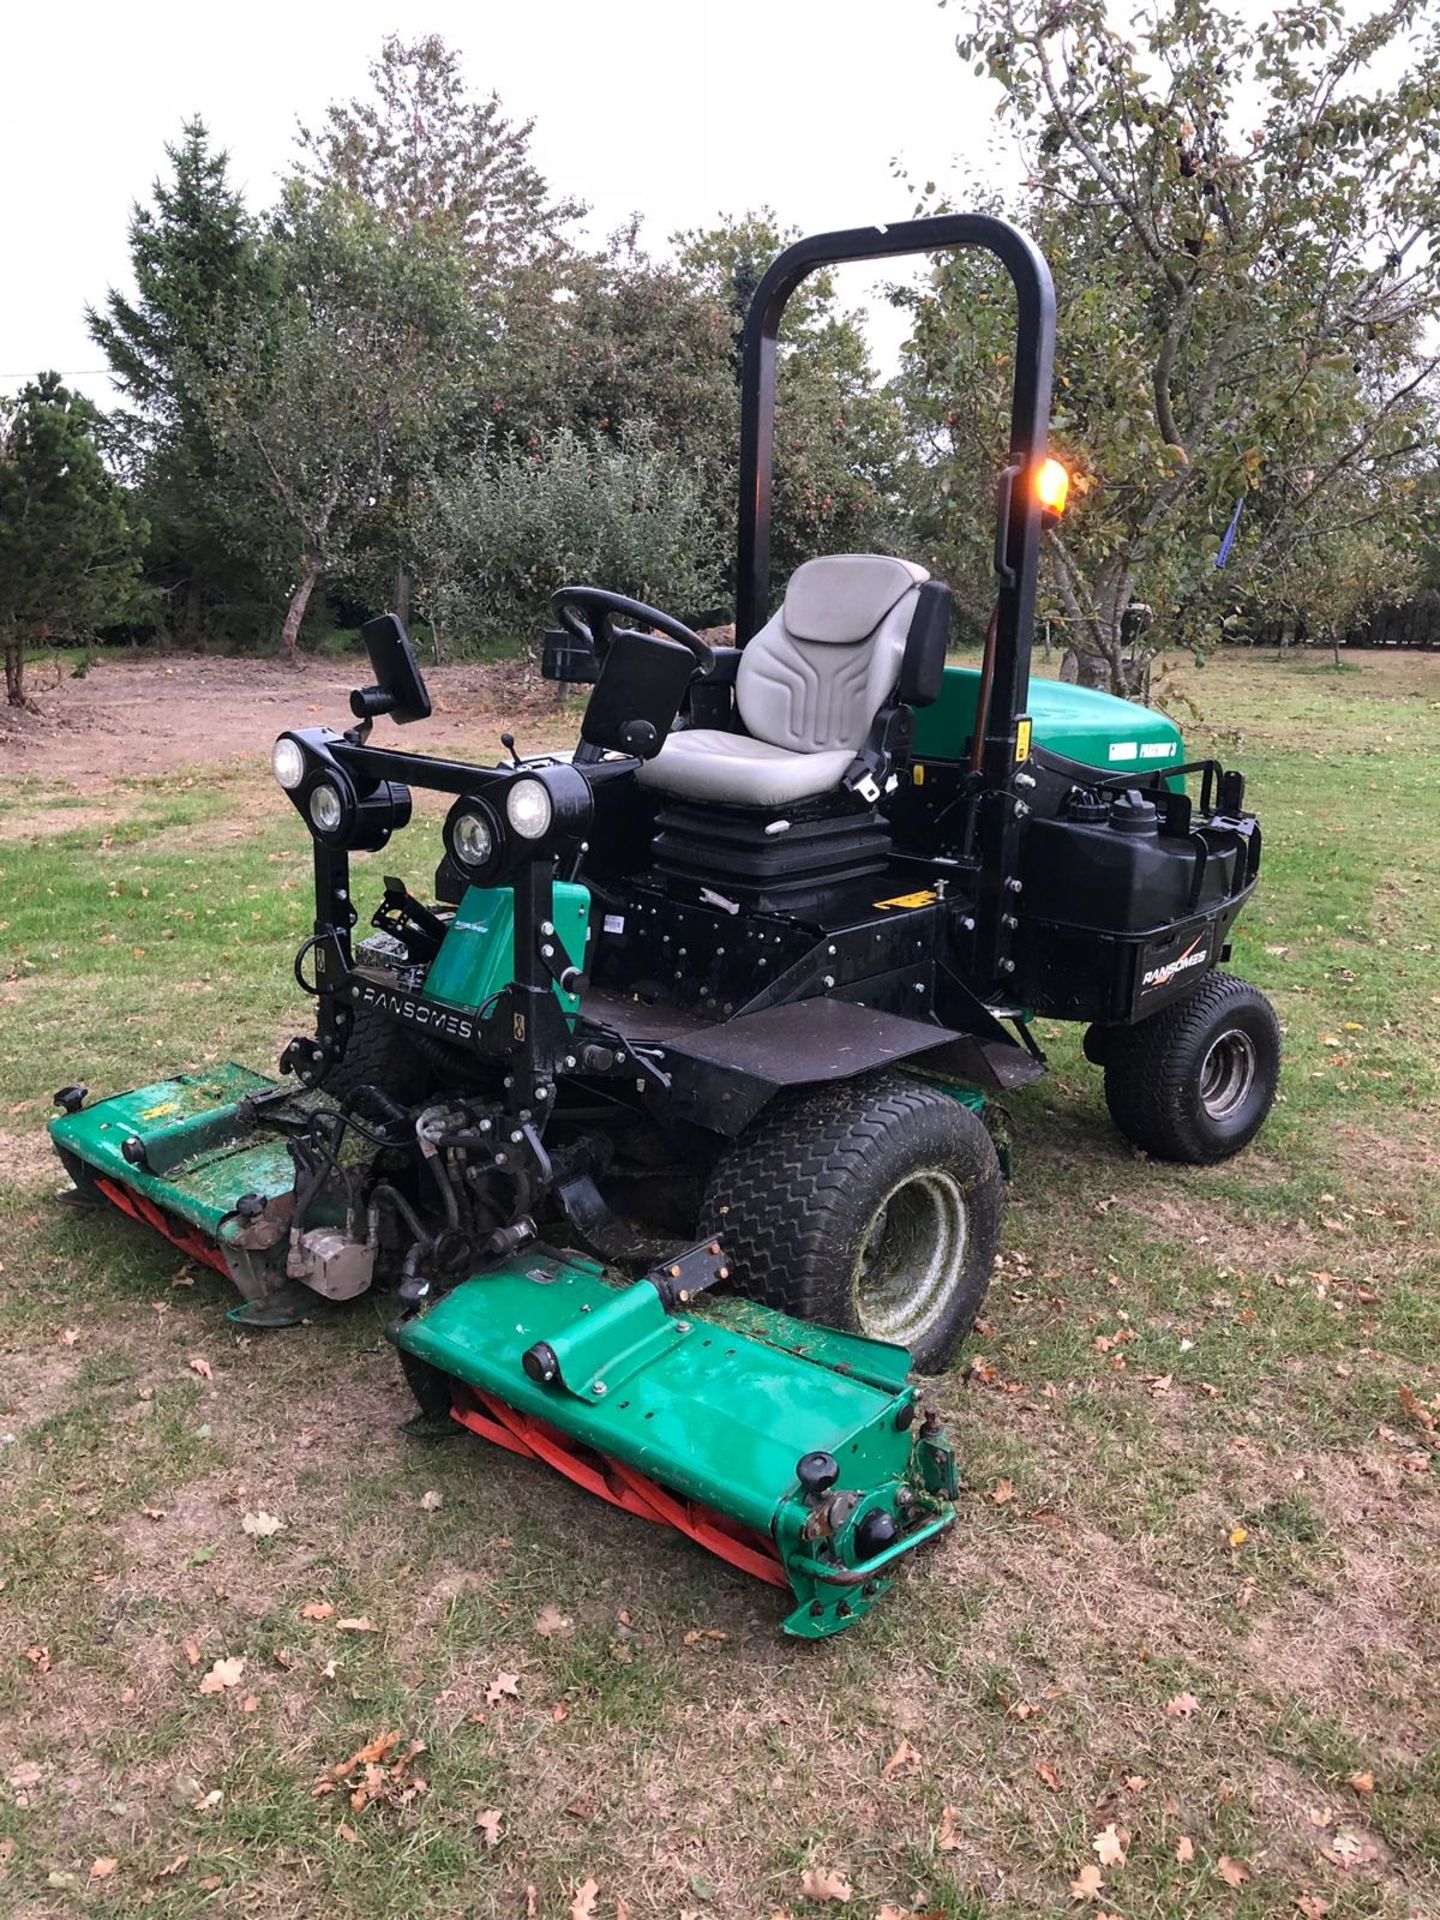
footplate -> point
(794, 1452)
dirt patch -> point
(25, 1159)
(130, 718)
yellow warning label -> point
(1022, 739)
(917, 773)
(925, 899)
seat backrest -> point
(815, 676)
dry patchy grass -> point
(1193, 1596)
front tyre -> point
(872, 1205)
(1195, 1082)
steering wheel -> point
(587, 613)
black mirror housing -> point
(400, 688)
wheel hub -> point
(1227, 1074)
(912, 1254)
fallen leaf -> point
(559, 1712)
(1135, 1783)
(1313, 1906)
(27, 1774)
(103, 1868)
(224, 1673)
(1233, 1872)
(582, 1907)
(201, 1366)
(500, 1686)
(250, 1703)
(1184, 1849)
(1044, 1771)
(39, 1658)
(317, 1610)
(489, 1824)
(1238, 1536)
(69, 1336)
(347, 1834)
(1087, 1884)
(1362, 1782)
(1002, 1491)
(698, 1634)
(551, 1624)
(819, 1883)
(1182, 1705)
(262, 1525)
(904, 1760)
(361, 1623)
(946, 1838)
(192, 1652)
(432, 1502)
(1110, 1844)
(169, 1873)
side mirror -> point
(400, 687)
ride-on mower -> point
(667, 1111)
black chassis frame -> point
(934, 981)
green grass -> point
(1218, 1490)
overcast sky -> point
(676, 109)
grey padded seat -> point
(807, 689)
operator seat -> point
(814, 689)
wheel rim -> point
(1227, 1073)
(911, 1255)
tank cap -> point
(1086, 805)
(1131, 812)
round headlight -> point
(288, 761)
(529, 809)
(473, 840)
(327, 809)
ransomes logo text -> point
(1195, 955)
(419, 1013)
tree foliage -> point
(495, 536)
(194, 255)
(1241, 219)
(327, 400)
(69, 547)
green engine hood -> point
(1078, 722)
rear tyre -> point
(380, 1053)
(1195, 1082)
(873, 1206)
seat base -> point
(702, 763)
(819, 847)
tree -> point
(327, 399)
(1241, 220)
(659, 339)
(498, 534)
(194, 255)
(424, 149)
(69, 548)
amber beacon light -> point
(1052, 486)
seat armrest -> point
(922, 666)
(711, 698)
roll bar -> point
(1017, 534)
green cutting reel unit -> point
(665, 1111)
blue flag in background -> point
(1228, 542)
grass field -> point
(1185, 1637)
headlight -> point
(288, 761)
(529, 809)
(473, 840)
(327, 809)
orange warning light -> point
(1052, 486)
